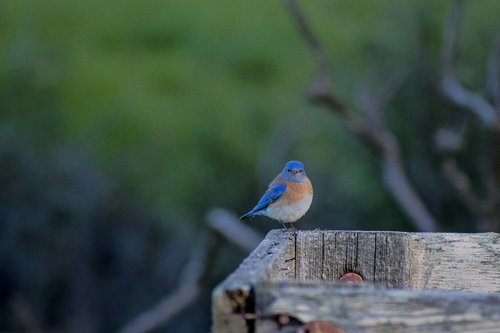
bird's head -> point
(294, 171)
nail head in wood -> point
(351, 277)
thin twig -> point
(449, 139)
(469, 100)
(402, 190)
(222, 222)
(375, 96)
(450, 37)
(187, 292)
(451, 87)
(320, 87)
(485, 208)
(378, 138)
(493, 68)
(462, 184)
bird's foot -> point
(292, 230)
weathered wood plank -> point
(391, 259)
(282, 267)
(369, 309)
(233, 298)
(446, 261)
(377, 257)
(364, 254)
(413, 261)
(337, 258)
(349, 251)
(310, 255)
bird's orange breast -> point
(296, 192)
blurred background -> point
(123, 123)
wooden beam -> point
(370, 309)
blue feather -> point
(273, 193)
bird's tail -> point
(247, 215)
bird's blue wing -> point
(273, 193)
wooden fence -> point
(411, 282)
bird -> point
(287, 198)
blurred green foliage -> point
(151, 112)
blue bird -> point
(288, 197)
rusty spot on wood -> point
(351, 277)
(283, 320)
(320, 326)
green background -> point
(123, 122)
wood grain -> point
(412, 282)
(233, 300)
(370, 309)
(444, 261)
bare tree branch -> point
(403, 192)
(451, 87)
(450, 37)
(472, 101)
(222, 222)
(320, 87)
(375, 96)
(463, 185)
(378, 138)
(187, 292)
(449, 140)
(231, 228)
(450, 145)
(485, 208)
(494, 73)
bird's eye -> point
(289, 170)
(300, 171)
